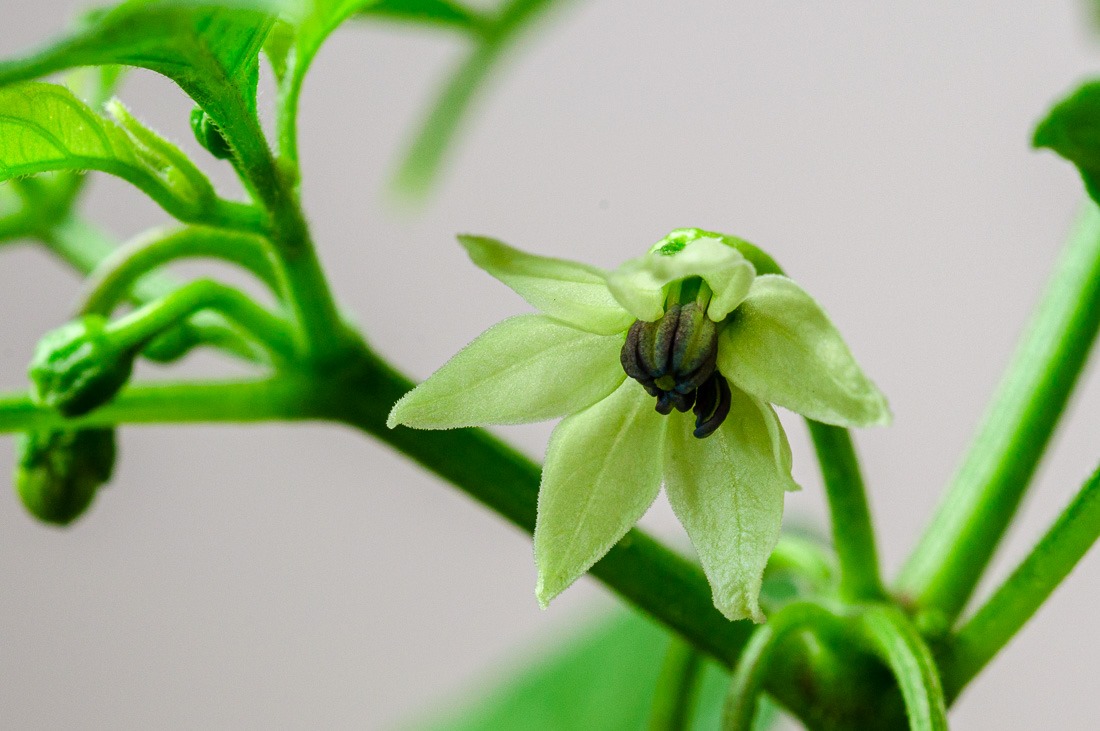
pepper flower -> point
(665, 371)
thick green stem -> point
(309, 293)
(970, 523)
(677, 686)
(853, 531)
(1029, 586)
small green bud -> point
(77, 368)
(58, 472)
(209, 136)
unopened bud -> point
(209, 136)
(76, 368)
(59, 471)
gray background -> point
(302, 577)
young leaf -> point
(44, 128)
(1072, 129)
(211, 52)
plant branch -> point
(286, 397)
(892, 637)
(140, 326)
(1021, 595)
(958, 545)
(853, 531)
(117, 274)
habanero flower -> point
(625, 356)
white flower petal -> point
(640, 285)
(602, 472)
(524, 369)
(781, 347)
(727, 490)
(569, 291)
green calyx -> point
(59, 471)
(209, 136)
(77, 367)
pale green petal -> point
(781, 347)
(602, 472)
(640, 284)
(727, 490)
(569, 291)
(527, 368)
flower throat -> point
(674, 358)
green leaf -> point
(781, 347)
(525, 369)
(1072, 129)
(727, 490)
(569, 291)
(604, 679)
(431, 12)
(602, 472)
(44, 127)
(211, 52)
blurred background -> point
(304, 577)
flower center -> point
(674, 360)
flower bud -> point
(209, 136)
(58, 472)
(76, 368)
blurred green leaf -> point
(1072, 129)
(209, 51)
(603, 680)
(45, 128)
(429, 12)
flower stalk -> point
(955, 550)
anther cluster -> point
(674, 360)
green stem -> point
(853, 531)
(425, 155)
(751, 670)
(139, 327)
(892, 637)
(326, 337)
(284, 398)
(970, 523)
(1021, 595)
(84, 247)
(677, 688)
(118, 273)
